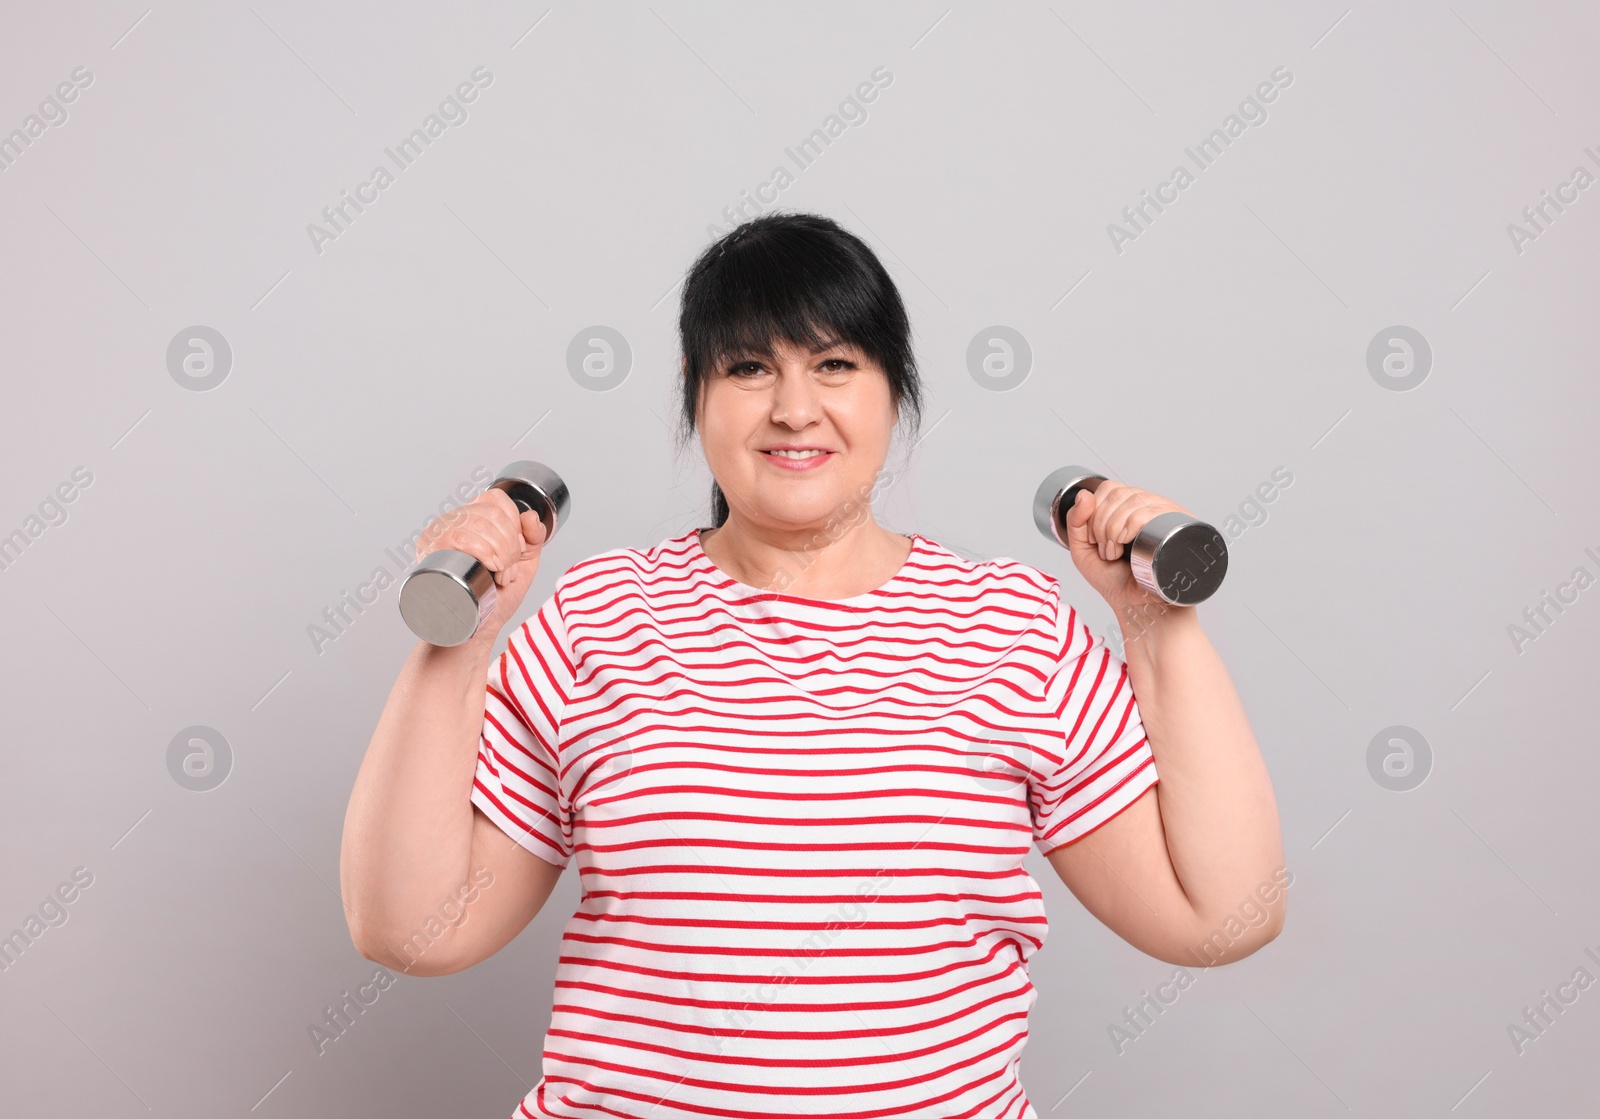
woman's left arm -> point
(1192, 872)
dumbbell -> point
(447, 594)
(1176, 558)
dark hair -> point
(802, 278)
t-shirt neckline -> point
(918, 542)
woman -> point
(799, 757)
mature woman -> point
(799, 757)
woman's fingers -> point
(1114, 526)
(1116, 514)
(489, 528)
(533, 533)
(1080, 519)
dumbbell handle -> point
(447, 595)
(1175, 557)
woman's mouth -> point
(797, 460)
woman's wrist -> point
(468, 662)
(1151, 627)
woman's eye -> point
(747, 370)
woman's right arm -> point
(416, 851)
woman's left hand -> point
(1100, 526)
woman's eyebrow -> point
(840, 347)
(768, 352)
(833, 343)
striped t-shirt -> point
(800, 828)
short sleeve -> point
(1106, 763)
(518, 781)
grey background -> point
(370, 379)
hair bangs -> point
(757, 295)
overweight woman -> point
(798, 758)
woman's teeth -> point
(797, 454)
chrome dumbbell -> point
(447, 594)
(1178, 559)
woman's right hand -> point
(490, 529)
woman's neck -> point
(814, 563)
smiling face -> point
(835, 401)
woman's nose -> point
(795, 402)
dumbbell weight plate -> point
(1186, 558)
(446, 597)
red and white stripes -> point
(800, 828)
